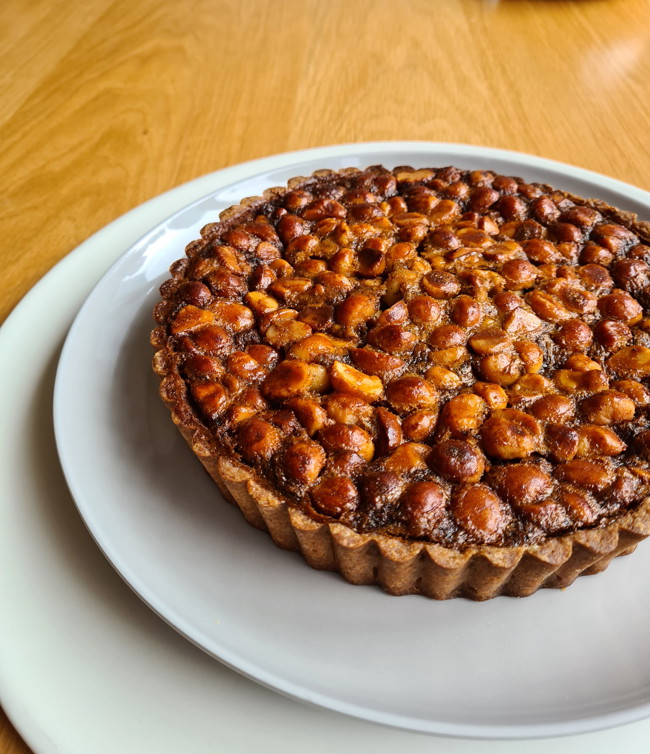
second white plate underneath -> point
(557, 662)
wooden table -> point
(107, 103)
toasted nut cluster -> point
(451, 356)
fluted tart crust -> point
(434, 380)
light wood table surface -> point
(107, 103)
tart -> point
(433, 380)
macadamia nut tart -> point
(433, 380)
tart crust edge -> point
(398, 567)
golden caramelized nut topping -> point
(633, 362)
(424, 506)
(510, 434)
(337, 437)
(350, 380)
(409, 393)
(481, 513)
(190, 318)
(521, 484)
(450, 356)
(258, 439)
(608, 407)
(288, 379)
(347, 408)
(303, 461)
(334, 496)
(457, 461)
(463, 414)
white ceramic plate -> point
(84, 665)
(555, 663)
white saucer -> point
(104, 649)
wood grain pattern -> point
(107, 103)
(10, 741)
